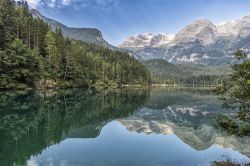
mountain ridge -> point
(147, 40)
(200, 42)
(88, 35)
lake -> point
(124, 127)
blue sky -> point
(118, 19)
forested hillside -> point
(32, 55)
(165, 72)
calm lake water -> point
(158, 127)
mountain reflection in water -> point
(114, 127)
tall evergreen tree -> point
(7, 22)
(31, 54)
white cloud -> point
(104, 2)
(66, 2)
(32, 162)
(73, 3)
(51, 3)
(33, 3)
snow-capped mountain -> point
(147, 40)
(201, 42)
(234, 27)
(202, 30)
(227, 28)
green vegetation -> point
(235, 94)
(31, 55)
(163, 72)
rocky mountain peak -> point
(246, 18)
(146, 40)
(36, 14)
(202, 30)
(200, 42)
(202, 23)
(234, 27)
(226, 28)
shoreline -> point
(99, 86)
(185, 86)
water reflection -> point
(32, 121)
(114, 127)
(117, 146)
(187, 114)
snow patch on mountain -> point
(147, 40)
(185, 58)
(202, 30)
(226, 28)
(200, 42)
(171, 59)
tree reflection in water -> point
(32, 121)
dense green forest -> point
(163, 72)
(32, 55)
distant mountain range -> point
(88, 35)
(147, 40)
(201, 42)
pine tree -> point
(7, 22)
(31, 54)
(18, 66)
(53, 54)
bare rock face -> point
(227, 28)
(235, 27)
(200, 42)
(202, 30)
(146, 40)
